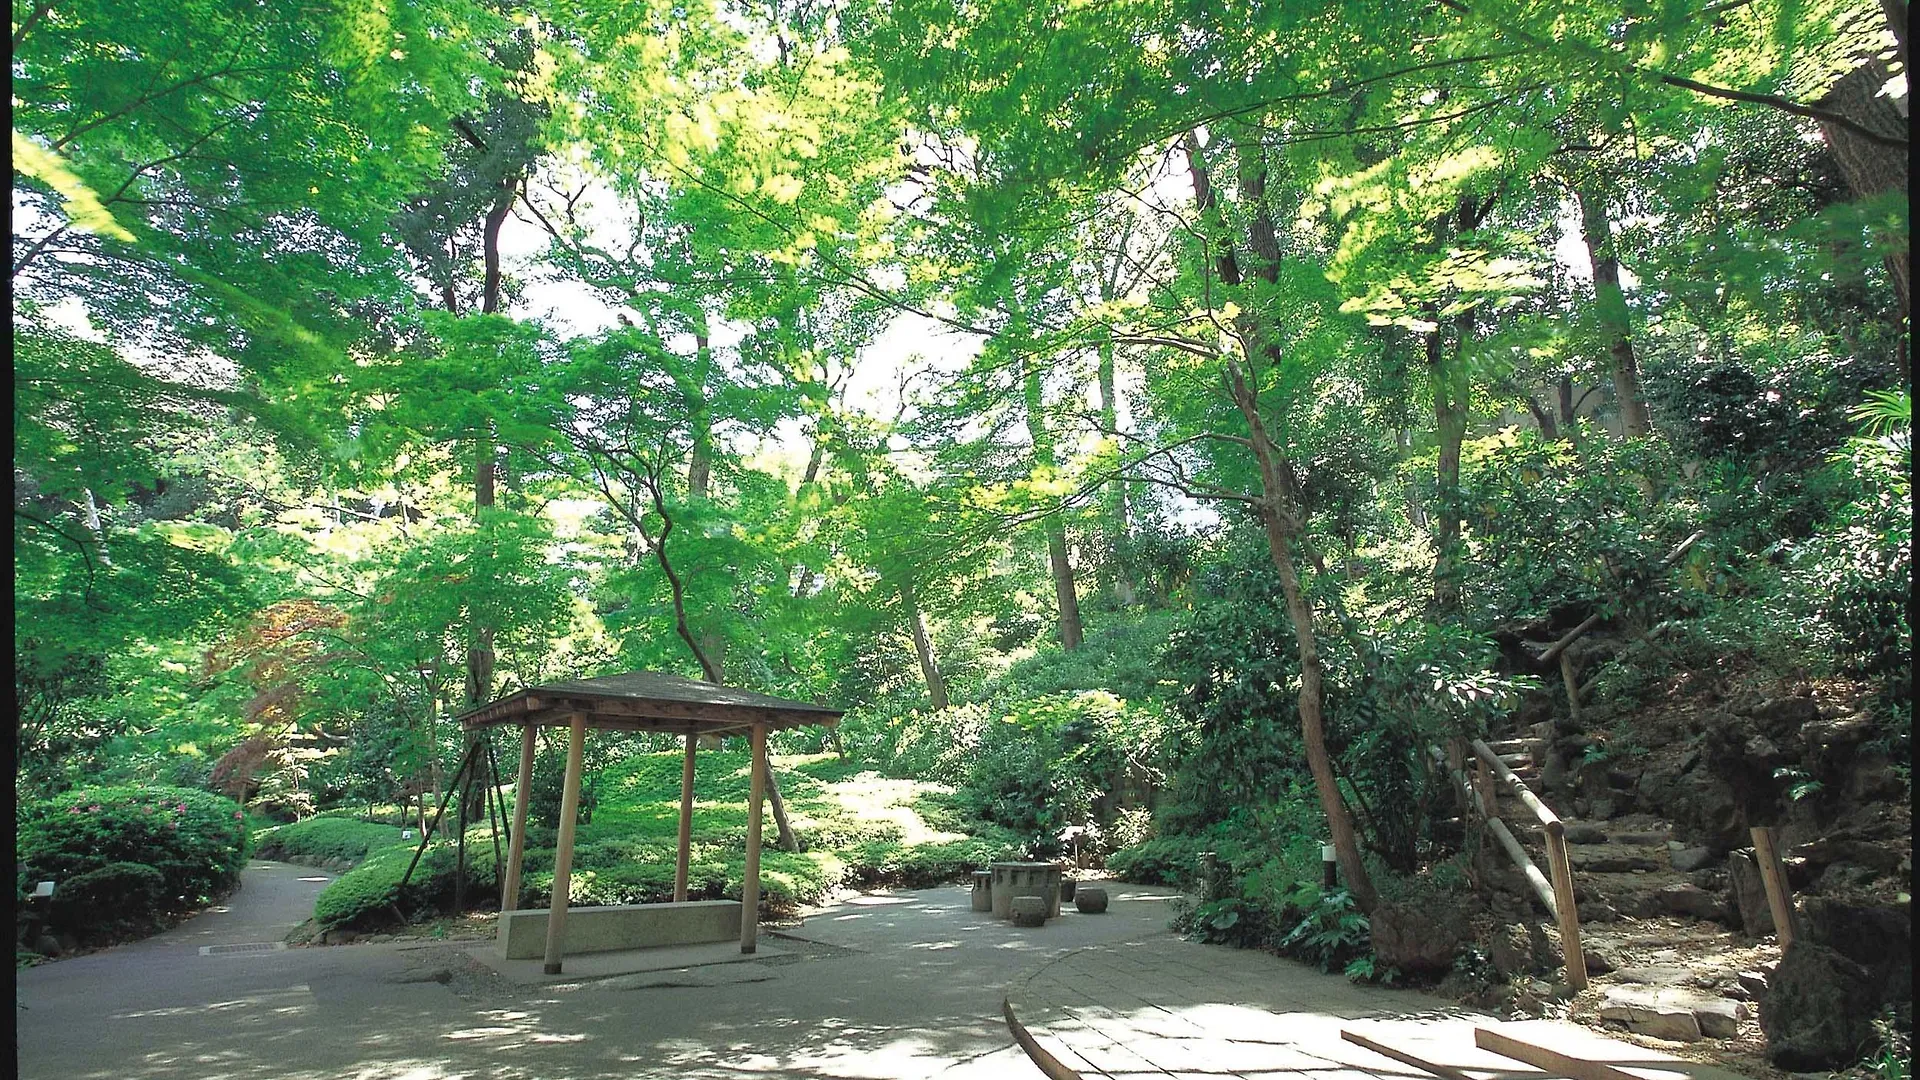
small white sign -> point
(1326, 853)
(406, 834)
(43, 890)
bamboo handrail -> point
(1562, 905)
(1518, 854)
(1548, 819)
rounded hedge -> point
(194, 840)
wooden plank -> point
(1773, 875)
(1404, 1058)
(1518, 854)
(750, 877)
(685, 851)
(563, 855)
(1520, 790)
(1565, 912)
(1554, 1062)
(517, 842)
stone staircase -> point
(1649, 906)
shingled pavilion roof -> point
(649, 701)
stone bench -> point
(523, 934)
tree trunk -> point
(1278, 506)
(923, 647)
(1065, 596)
(1124, 590)
(1611, 304)
(1868, 167)
(1450, 423)
(1281, 530)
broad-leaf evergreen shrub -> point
(328, 837)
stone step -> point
(1512, 746)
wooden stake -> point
(1774, 876)
(1565, 913)
(517, 843)
(750, 878)
(563, 856)
(1404, 1058)
(1554, 1062)
(686, 824)
(1573, 685)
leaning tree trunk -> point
(1610, 302)
(1281, 529)
(923, 646)
(1871, 168)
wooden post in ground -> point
(686, 823)
(1483, 787)
(1565, 913)
(1572, 680)
(750, 878)
(1774, 876)
(517, 843)
(563, 855)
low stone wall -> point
(523, 934)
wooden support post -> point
(1483, 788)
(1565, 913)
(563, 855)
(750, 878)
(683, 859)
(1572, 680)
(517, 843)
(1773, 874)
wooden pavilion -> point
(638, 701)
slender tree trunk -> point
(1115, 498)
(1066, 598)
(1281, 529)
(923, 646)
(1870, 168)
(1611, 304)
(1450, 423)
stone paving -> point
(1161, 1006)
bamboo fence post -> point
(1565, 913)
(1774, 876)
(563, 854)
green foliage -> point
(368, 894)
(328, 837)
(1333, 933)
(116, 897)
(193, 840)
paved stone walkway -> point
(1162, 1006)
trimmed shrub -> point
(367, 894)
(118, 896)
(195, 840)
(329, 838)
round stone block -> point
(1029, 911)
(1066, 889)
(1090, 899)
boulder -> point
(1417, 940)
(1650, 1012)
(1785, 714)
(1687, 860)
(1598, 961)
(1818, 1009)
(1878, 937)
(1719, 1018)
(1690, 900)
(1747, 894)
(1582, 832)
(1511, 951)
